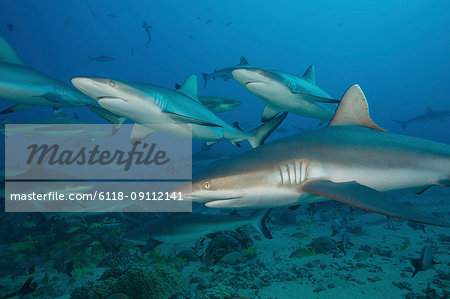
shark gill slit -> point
(293, 172)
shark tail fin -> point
(260, 134)
(401, 122)
(259, 218)
(205, 79)
(116, 120)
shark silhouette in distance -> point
(178, 112)
(216, 104)
(352, 161)
(225, 73)
(429, 115)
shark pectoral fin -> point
(420, 190)
(259, 222)
(354, 194)
(211, 143)
(15, 108)
(54, 98)
(140, 132)
(115, 119)
(269, 113)
(187, 119)
(354, 110)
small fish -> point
(191, 37)
(302, 253)
(102, 58)
(72, 229)
(92, 12)
(112, 224)
(132, 52)
(405, 244)
(229, 23)
(28, 224)
(208, 21)
(147, 28)
(75, 115)
(300, 236)
(74, 220)
(10, 27)
(112, 16)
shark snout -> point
(248, 76)
(95, 88)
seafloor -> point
(243, 263)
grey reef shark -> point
(352, 161)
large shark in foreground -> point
(352, 161)
(155, 108)
(286, 92)
(27, 87)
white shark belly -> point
(382, 179)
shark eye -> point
(112, 83)
(206, 185)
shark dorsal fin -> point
(354, 110)
(243, 61)
(189, 87)
(7, 53)
(310, 74)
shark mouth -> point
(253, 82)
(107, 98)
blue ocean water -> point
(397, 51)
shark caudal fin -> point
(260, 134)
(401, 122)
(258, 219)
(115, 119)
(205, 79)
(7, 53)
